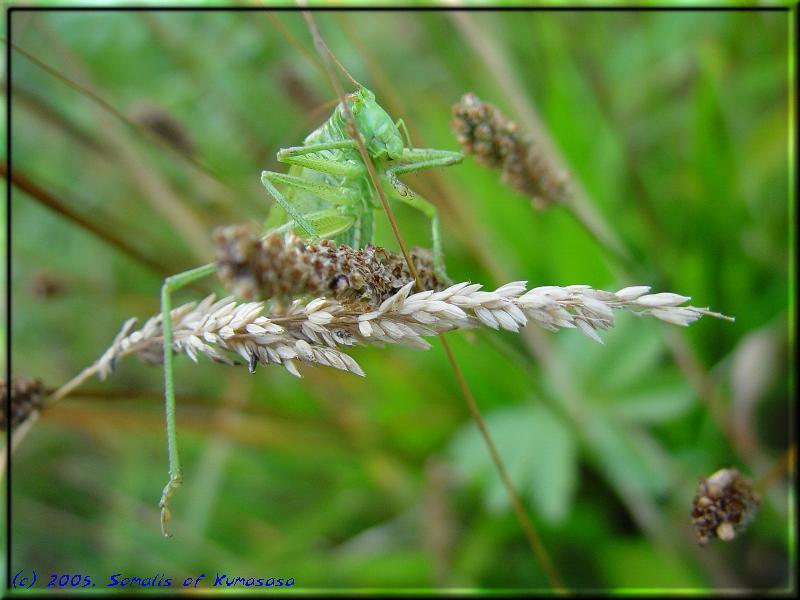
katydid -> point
(328, 191)
(327, 195)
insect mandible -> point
(327, 194)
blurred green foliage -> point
(677, 125)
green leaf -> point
(627, 465)
(637, 348)
(654, 404)
(539, 453)
(631, 352)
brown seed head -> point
(495, 141)
(725, 503)
(284, 268)
(26, 397)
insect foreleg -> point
(297, 155)
(401, 125)
(266, 180)
(417, 160)
(175, 476)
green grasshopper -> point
(327, 195)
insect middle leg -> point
(298, 155)
(335, 195)
(172, 284)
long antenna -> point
(324, 44)
(341, 66)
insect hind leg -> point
(172, 284)
(266, 181)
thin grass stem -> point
(111, 109)
(530, 531)
(155, 188)
(580, 204)
(786, 464)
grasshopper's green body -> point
(327, 195)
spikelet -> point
(725, 504)
(282, 267)
(26, 397)
(496, 142)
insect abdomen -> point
(332, 130)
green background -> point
(676, 123)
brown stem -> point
(295, 42)
(530, 531)
(155, 188)
(16, 437)
(784, 465)
(184, 56)
(466, 227)
(326, 53)
(73, 383)
(50, 114)
(23, 183)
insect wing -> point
(328, 223)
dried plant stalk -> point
(496, 142)
(314, 331)
(725, 504)
(26, 398)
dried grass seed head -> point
(26, 397)
(284, 268)
(725, 504)
(496, 142)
